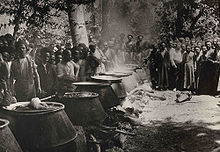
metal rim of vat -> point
(5, 123)
(106, 78)
(11, 110)
(91, 84)
(64, 143)
(61, 144)
(117, 74)
(125, 72)
(118, 80)
(76, 96)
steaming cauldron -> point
(83, 108)
(129, 82)
(107, 95)
(117, 74)
(140, 72)
(115, 84)
(129, 79)
(8, 142)
(42, 130)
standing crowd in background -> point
(182, 64)
(186, 64)
(26, 72)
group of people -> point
(27, 72)
(186, 64)
(122, 50)
(135, 49)
(181, 64)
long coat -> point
(24, 73)
(48, 78)
(163, 62)
(209, 75)
(189, 75)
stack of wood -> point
(111, 135)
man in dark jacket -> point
(47, 73)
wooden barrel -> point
(42, 130)
(8, 142)
(107, 95)
(83, 108)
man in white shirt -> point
(67, 72)
(102, 58)
(175, 70)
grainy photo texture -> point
(109, 76)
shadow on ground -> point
(173, 137)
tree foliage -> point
(46, 21)
(29, 12)
(187, 18)
(36, 13)
(47, 35)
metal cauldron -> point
(41, 130)
(107, 95)
(129, 79)
(117, 74)
(130, 82)
(8, 142)
(83, 108)
(116, 84)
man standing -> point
(25, 74)
(67, 72)
(129, 47)
(47, 73)
(92, 62)
(111, 54)
(108, 53)
(99, 55)
(163, 59)
(175, 70)
(153, 66)
(138, 48)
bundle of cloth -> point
(36, 103)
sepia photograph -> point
(109, 75)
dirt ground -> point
(167, 126)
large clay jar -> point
(8, 142)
